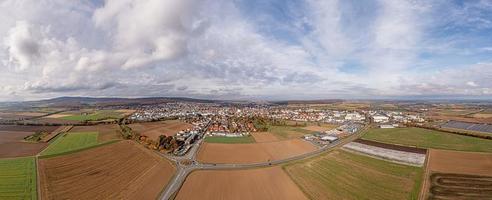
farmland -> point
(11, 145)
(230, 140)
(254, 152)
(123, 170)
(92, 115)
(425, 138)
(264, 137)
(107, 132)
(18, 178)
(154, 129)
(454, 174)
(262, 183)
(344, 175)
(71, 141)
(12, 142)
(288, 132)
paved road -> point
(183, 171)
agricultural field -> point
(262, 183)
(289, 132)
(18, 178)
(265, 137)
(14, 115)
(454, 174)
(154, 129)
(343, 175)
(424, 138)
(230, 140)
(70, 142)
(253, 152)
(122, 170)
(97, 115)
(12, 142)
(106, 132)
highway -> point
(184, 170)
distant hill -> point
(92, 101)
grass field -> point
(94, 116)
(285, 132)
(230, 140)
(18, 178)
(425, 138)
(344, 175)
(70, 142)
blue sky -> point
(246, 49)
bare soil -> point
(27, 128)
(264, 137)
(263, 183)
(254, 152)
(467, 170)
(122, 170)
(12, 144)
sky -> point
(246, 49)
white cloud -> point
(212, 49)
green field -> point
(94, 116)
(289, 131)
(18, 178)
(425, 138)
(71, 142)
(230, 140)
(343, 175)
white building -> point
(380, 119)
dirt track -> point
(263, 183)
(123, 170)
(253, 153)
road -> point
(184, 170)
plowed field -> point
(254, 152)
(264, 183)
(123, 170)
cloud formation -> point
(244, 49)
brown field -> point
(125, 112)
(464, 168)
(54, 121)
(322, 128)
(27, 128)
(58, 115)
(12, 144)
(19, 115)
(123, 170)
(154, 129)
(264, 183)
(264, 137)
(482, 115)
(106, 132)
(254, 152)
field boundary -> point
(423, 189)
